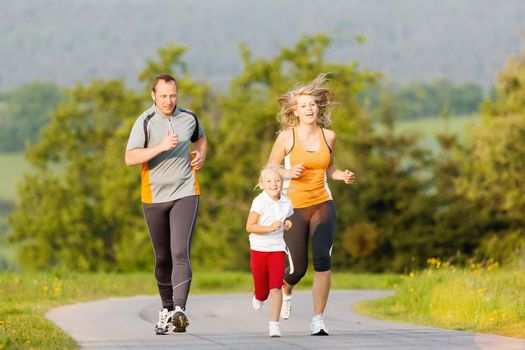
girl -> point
(266, 224)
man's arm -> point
(138, 156)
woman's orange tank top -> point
(311, 187)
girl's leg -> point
(259, 266)
(276, 264)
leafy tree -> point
(81, 208)
(248, 128)
(495, 167)
(26, 111)
(494, 178)
(60, 218)
(454, 237)
(387, 202)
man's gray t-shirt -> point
(168, 176)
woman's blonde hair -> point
(323, 96)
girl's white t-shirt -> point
(270, 211)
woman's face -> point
(306, 109)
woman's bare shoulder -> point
(285, 135)
(329, 135)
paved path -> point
(229, 322)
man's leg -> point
(183, 216)
(157, 219)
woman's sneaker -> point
(317, 327)
(179, 320)
(163, 326)
(286, 307)
(275, 332)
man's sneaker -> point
(162, 327)
(179, 320)
(257, 304)
(317, 327)
(274, 329)
(286, 307)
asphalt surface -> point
(229, 322)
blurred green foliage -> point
(407, 204)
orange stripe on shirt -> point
(145, 187)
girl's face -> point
(271, 183)
(306, 109)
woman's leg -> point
(296, 239)
(322, 227)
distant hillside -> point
(68, 41)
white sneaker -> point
(275, 332)
(317, 327)
(257, 304)
(162, 327)
(179, 320)
(286, 307)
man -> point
(170, 144)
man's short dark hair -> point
(163, 76)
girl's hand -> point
(275, 226)
(348, 177)
(287, 224)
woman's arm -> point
(332, 172)
(281, 147)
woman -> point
(307, 148)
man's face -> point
(165, 96)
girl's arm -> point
(253, 227)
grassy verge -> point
(24, 298)
(485, 300)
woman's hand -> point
(348, 177)
(296, 170)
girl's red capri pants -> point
(267, 271)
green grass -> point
(12, 167)
(489, 300)
(24, 298)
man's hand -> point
(168, 142)
(197, 160)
